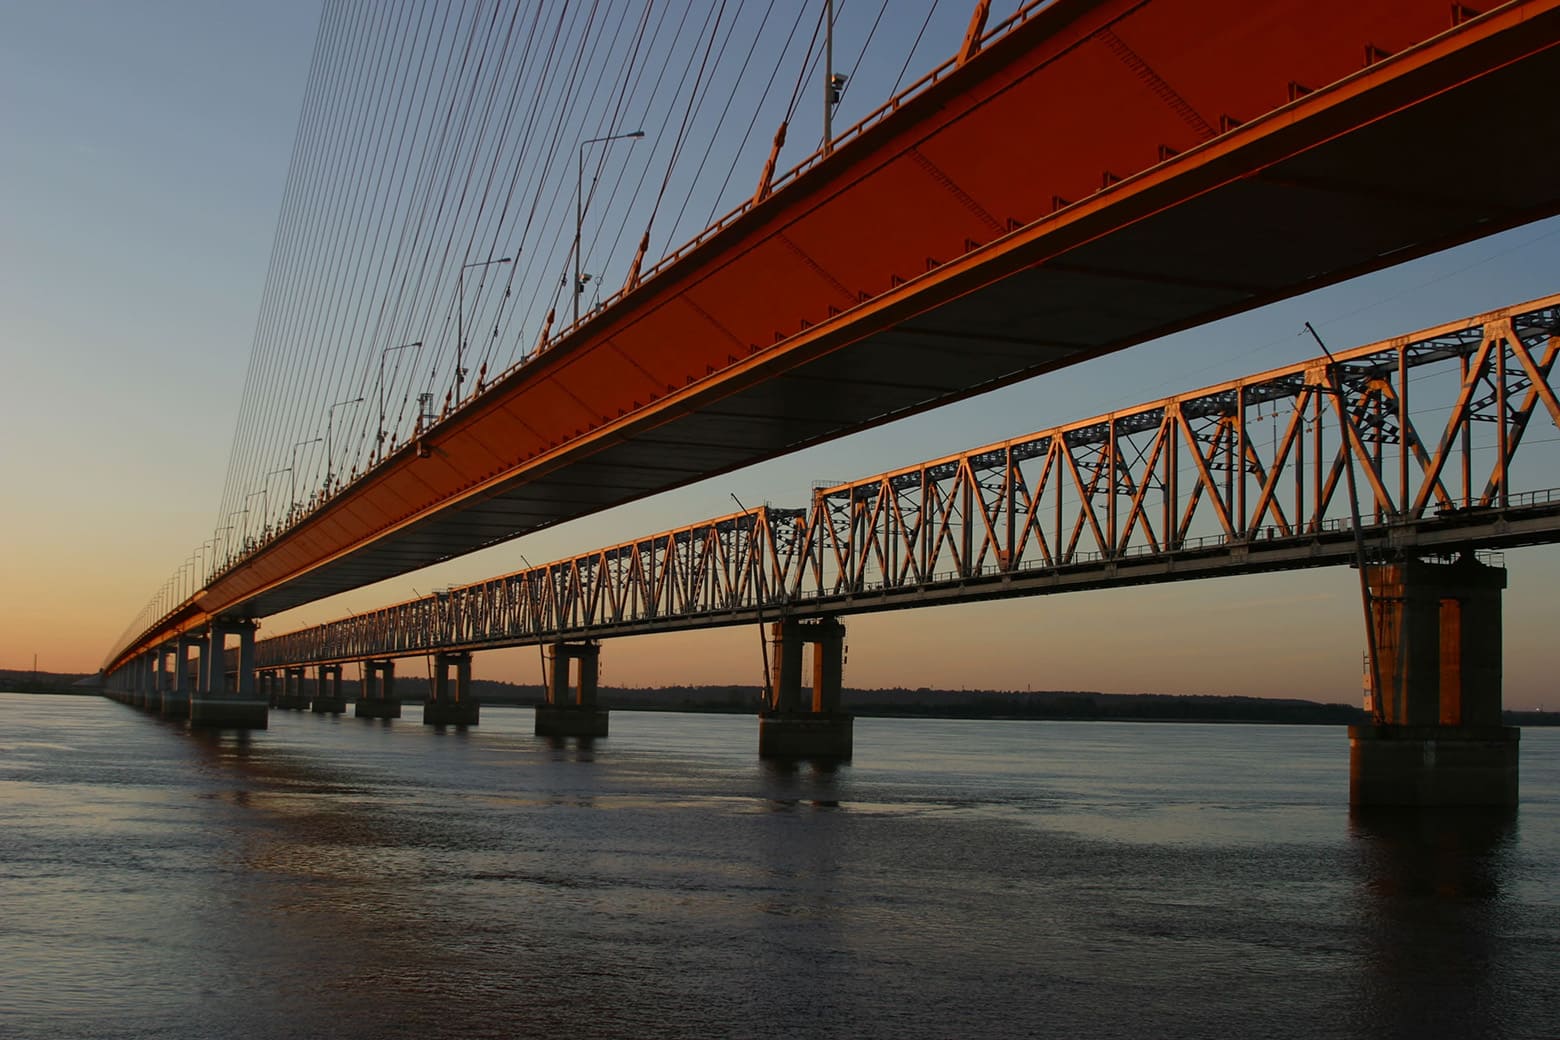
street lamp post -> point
(579, 209)
(217, 534)
(266, 483)
(194, 567)
(330, 418)
(261, 495)
(208, 560)
(460, 321)
(292, 480)
(379, 445)
(231, 526)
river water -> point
(335, 877)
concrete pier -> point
(292, 696)
(176, 699)
(452, 703)
(378, 700)
(571, 709)
(328, 698)
(144, 678)
(1437, 654)
(157, 679)
(818, 728)
(219, 704)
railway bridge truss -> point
(1247, 476)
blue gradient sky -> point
(142, 164)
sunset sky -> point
(142, 164)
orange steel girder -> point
(973, 525)
(1130, 109)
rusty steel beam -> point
(1236, 478)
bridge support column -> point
(291, 696)
(165, 671)
(788, 727)
(137, 682)
(378, 700)
(176, 699)
(1438, 654)
(572, 712)
(143, 681)
(265, 683)
(452, 703)
(150, 697)
(328, 698)
(220, 705)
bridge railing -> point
(1430, 426)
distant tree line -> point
(922, 702)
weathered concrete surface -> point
(805, 735)
(1433, 765)
(229, 713)
(570, 721)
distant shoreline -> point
(923, 702)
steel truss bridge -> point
(1088, 175)
(1247, 476)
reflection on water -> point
(1433, 921)
(334, 878)
(1451, 853)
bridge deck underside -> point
(961, 277)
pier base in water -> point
(451, 713)
(378, 699)
(175, 705)
(452, 703)
(328, 705)
(229, 713)
(806, 735)
(1433, 765)
(570, 721)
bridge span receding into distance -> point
(1404, 458)
(1095, 174)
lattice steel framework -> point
(1246, 476)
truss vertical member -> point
(571, 709)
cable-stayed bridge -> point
(1076, 178)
